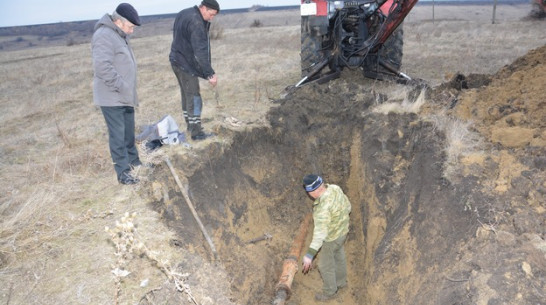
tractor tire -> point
(537, 11)
(391, 52)
(393, 49)
(311, 52)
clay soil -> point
(447, 180)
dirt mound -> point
(509, 167)
(511, 110)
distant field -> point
(78, 32)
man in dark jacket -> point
(190, 59)
(114, 86)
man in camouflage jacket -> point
(331, 209)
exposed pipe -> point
(190, 205)
(283, 289)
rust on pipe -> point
(283, 289)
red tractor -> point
(538, 9)
(364, 34)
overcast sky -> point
(26, 12)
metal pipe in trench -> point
(283, 289)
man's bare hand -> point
(307, 263)
(213, 80)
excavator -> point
(357, 34)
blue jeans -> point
(120, 121)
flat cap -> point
(128, 12)
(213, 4)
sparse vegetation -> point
(216, 31)
(38, 79)
(128, 246)
(460, 141)
(407, 105)
(256, 23)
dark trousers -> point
(192, 104)
(120, 121)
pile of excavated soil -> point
(511, 109)
(506, 261)
(417, 235)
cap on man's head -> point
(311, 182)
(128, 12)
(212, 4)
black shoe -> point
(128, 179)
(201, 136)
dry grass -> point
(59, 189)
(460, 141)
(128, 246)
(216, 31)
(405, 106)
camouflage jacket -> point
(331, 217)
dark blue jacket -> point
(190, 49)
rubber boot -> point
(197, 132)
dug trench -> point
(390, 167)
(416, 236)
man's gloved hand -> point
(307, 263)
